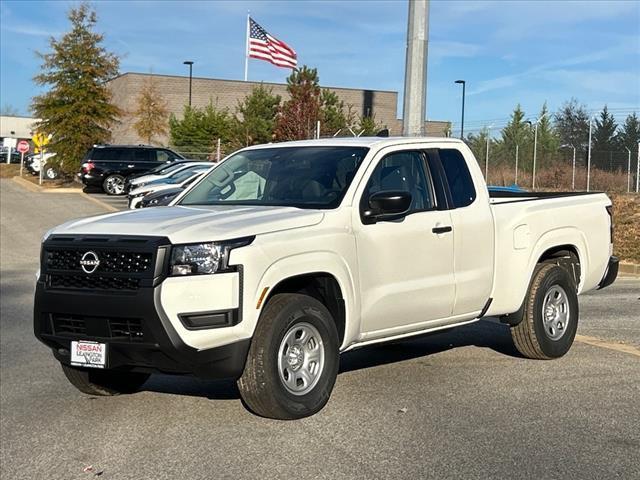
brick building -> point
(227, 93)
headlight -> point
(203, 258)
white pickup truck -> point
(286, 255)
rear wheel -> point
(293, 360)
(113, 184)
(104, 382)
(51, 173)
(549, 316)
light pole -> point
(464, 86)
(486, 157)
(515, 182)
(638, 169)
(628, 170)
(535, 149)
(589, 155)
(573, 174)
(190, 63)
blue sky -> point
(509, 52)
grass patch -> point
(8, 170)
(626, 218)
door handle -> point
(439, 230)
(131, 166)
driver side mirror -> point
(386, 206)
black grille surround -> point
(126, 263)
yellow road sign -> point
(40, 139)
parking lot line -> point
(619, 347)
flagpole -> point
(246, 51)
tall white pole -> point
(486, 158)
(573, 175)
(516, 180)
(535, 151)
(638, 169)
(628, 170)
(415, 74)
(246, 51)
(589, 156)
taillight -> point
(87, 167)
(610, 212)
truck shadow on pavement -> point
(484, 334)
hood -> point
(144, 178)
(193, 224)
(150, 187)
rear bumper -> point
(155, 346)
(91, 180)
(611, 273)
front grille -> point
(87, 282)
(81, 327)
(110, 261)
(114, 264)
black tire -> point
(260, 385)
(104, 382)
(530, 335)
(113, 184)
(50, 173)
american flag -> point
(269, 48)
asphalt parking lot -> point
(458, 404)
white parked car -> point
(51, 170)
(286, 255)
(182, 178)
(161, 172)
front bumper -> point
(168, 325)
(611, 273)
(157, 349)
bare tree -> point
(152, 113)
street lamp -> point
(535, 149)
(573, 175)
(486, 157)
(190, 63)
(464, 86)
(628, 170)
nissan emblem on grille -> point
(89, 262)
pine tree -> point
(517, 133)
(332, 114)
(605, 140)
(299, 115)
(197, 132)
(548, 141)
(478, 144)
(151, 113)
(572, 124)
(77, 110)
(256, 117)
(629, 135)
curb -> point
(37, 188)
(629, 269)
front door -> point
(405, 266)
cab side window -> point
(463, 193)
(403, 171)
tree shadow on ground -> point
(485, 334)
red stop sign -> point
(23, 146)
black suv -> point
(107, 166)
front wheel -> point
(113, 184)
(293, 360)
(549, 316)
(103, 382)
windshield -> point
(183, 175)
(303, 177)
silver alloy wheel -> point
(115, 185)
(555, 312)
(50, 173)
(301, 358)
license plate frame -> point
(89, 354)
